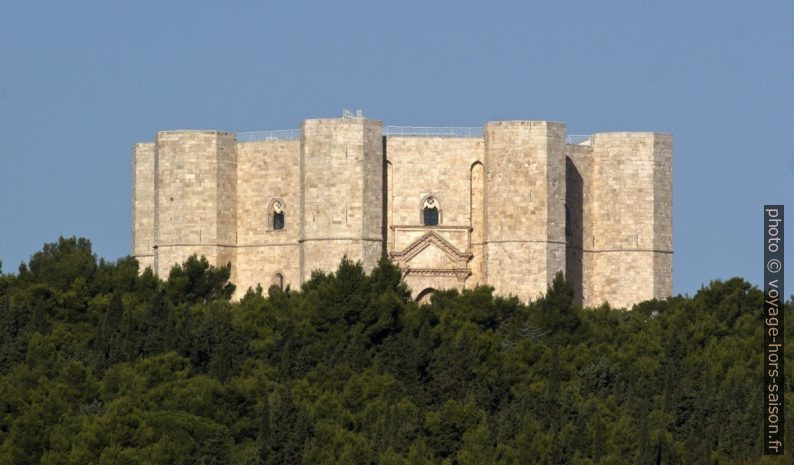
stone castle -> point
(508, 205)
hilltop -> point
(102, 365)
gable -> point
(431, 256)
(431, 251)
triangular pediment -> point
(432, 256)
(431, 251)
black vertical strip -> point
(384, 200)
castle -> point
(508, 205)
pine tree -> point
(264, 446)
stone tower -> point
(524, 205)
(143, 193)
(341, 168)
(631, 235)
(620, 200)
(195, 200)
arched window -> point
(278, 280)
(430, 212)
(278, 215)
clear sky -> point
(81, 81)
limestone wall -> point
(663, 215)
(437, 166)
(267, 171)
(143, 204)
(630, 244)
(440, 167)
(477, 264)
(341, 167)
(578, 178)
(372, 215)
(195, 198)
(524, 205)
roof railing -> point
(256, 136)
(398, 131)
(419, 131)
(575, 139)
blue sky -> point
(81, 81)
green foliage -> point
(557, 313)
(102, 365)
(61, 264)
(195, 281)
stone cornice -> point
(413, 227)
(460, 273)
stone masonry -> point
(507, 206)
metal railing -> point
(414, 131)
(282, 134)
(396, 131)
(575, 139)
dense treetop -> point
(102, 365)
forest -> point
(101, 364)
